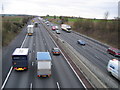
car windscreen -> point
(82, 42)
(117, 51)
(69, 28)
(56, 50)
(18, 57)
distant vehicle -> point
(40, 18)
(43, 20)
(81, 42)
(20, 59)
(56, 27)
(35, 24)
(47, 24)
(56, 51)
(33, 21)
(52, 25)
(58, 31)
(53, 28)
(66, 28)
(113, 68)
(44, 64)
(114, 51)
(30, 29)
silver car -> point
(58, 31)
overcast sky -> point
(82, 8)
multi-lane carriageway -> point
(93, 51)
(63, 75)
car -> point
(114, 51)
(56, 51)
(56, 27)
(53, 28)
(113, 68)
(51, 25)
(47, 24)
(81, 42)
(36, 24)
(58, 31)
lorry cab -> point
(114, 68)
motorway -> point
(94, 52)
(62, 75)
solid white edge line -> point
(74, 71)
(31, 86)
(7, 78)
(32, 63)
(12, 67)
(24, 41)
(97, 57)
(58, 86)
(70, 65)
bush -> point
(103, 30)
(11, 27)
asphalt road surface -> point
(94, 52)
(62, 74)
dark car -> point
(56, 51)
(81, 42)
(114, 51)
(36, 24)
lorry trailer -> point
(43, 64)
(30, 30)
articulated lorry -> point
(66, 28)
(30, 30)
(20, 59)
(44, 64)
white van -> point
(114, 68)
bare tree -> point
(106, 15)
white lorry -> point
(43, 64)
(66, 27)
(30, 30)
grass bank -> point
(11, 26)
(105, 31)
